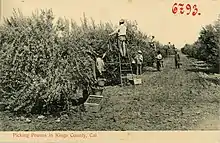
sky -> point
(154, 17)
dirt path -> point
(173, 99)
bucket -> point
(101, 82)
(97, 91)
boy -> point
(121, 31)
(133, 63)
(139, 61)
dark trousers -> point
(122, 45)
(166, 52)
(133, 68)
(139, 69)
(158, 65)
(177, 65)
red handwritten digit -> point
(195, 10)
(174, 8)
(188, 7)
(181, 8)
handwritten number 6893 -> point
(185, 8)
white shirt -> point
(100, 64)
(169, 45)
(152, 43)
(139, 59)
(159, 57)
(121, 30)
(133, 61)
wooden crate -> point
(93, 102)
(137, 81)
(101, 82)
(92, 107)
(130, 76)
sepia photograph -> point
(107, 65)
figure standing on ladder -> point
(121, 31)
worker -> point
(168, 48)
(177, 59)
(133, 63)
(158, 58)
(121, 31)
(152, 43)
(100, 63)
(139, 62)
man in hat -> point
(152, 43)
(159, 57)
(121, 31)
(168, 48)
(139, 61)
(177, 59)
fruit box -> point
(137, 81)
(92, 104)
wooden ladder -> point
(125, 69)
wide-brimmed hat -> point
(121, 21)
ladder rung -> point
(113, 63)
(125, 63)
(126, 70)
(124, 77)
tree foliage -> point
(44, 64)
(206, 47)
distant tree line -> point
(207, 46)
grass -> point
(173, 99)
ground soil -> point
(173, 99)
